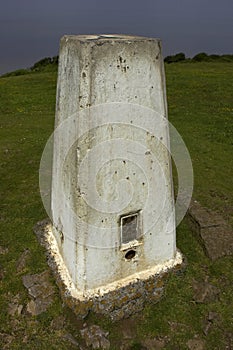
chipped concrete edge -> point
(117, 300)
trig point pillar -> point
(113, 222)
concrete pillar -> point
(112, 197)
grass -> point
(201, 108)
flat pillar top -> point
(108, 37)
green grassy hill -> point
(201, 108)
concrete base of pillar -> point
(116, 300)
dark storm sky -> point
(30, 30)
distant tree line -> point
(45, 64)
(47, 61)
(200, 57)
(51, 63)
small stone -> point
(14, 307)
(3, 250)
(31, 308)
(41, 291)
(211, 318)
(58, 323)
(204, 292)
(207, 327)
(37, 306)
(6, 339)
(25, 339)
(20, 309)
(38, 284)
(21, 263)
(212, 230)
(94, 336)
(104, 343)
(15, 323)
(196, 344)
(71, 339)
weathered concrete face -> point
(108, 89)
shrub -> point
(42, 63)
(175, 58)
(55, 59)
(227, 58)
(202, 56)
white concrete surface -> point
(71, 289)
(110, 158)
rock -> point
(14, 308)
(6, 339)
(210, 320)
(38, 284)
(37, 306)
(206, 328)
(204, 292)
(21, 263)
(94, 336)
(196, 344)
(212, 231)
(32, 308)
(58, 323)
(3, 250)
(41, 291)
(20, 309)
(71, 339)
(213, 316)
